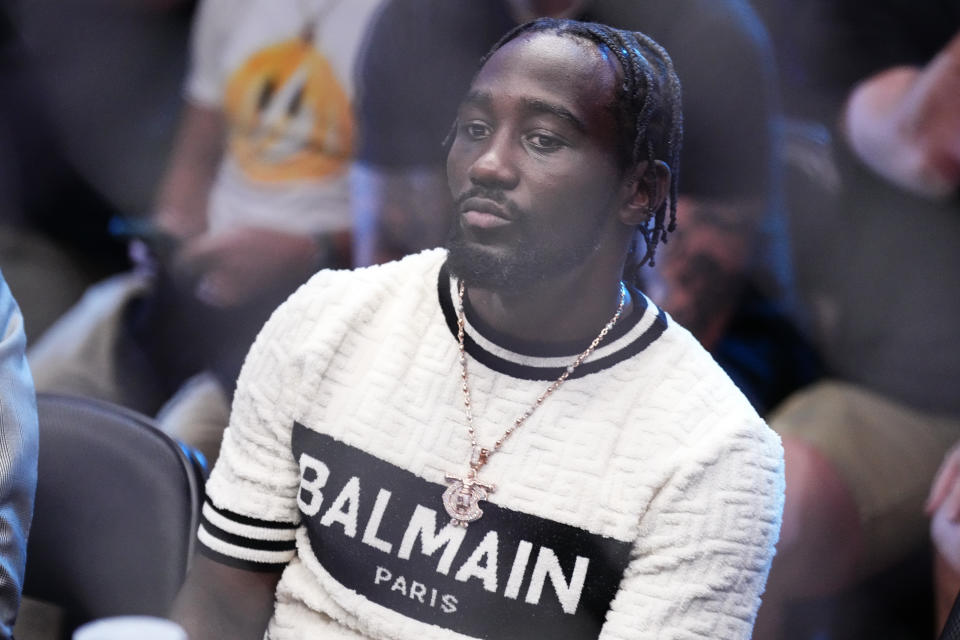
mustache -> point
(495, 195)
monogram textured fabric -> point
(641, 500)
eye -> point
(545, 143)
(475, 130)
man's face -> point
(533, 168)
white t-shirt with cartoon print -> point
(281, 71)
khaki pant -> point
(88, 352)
(886, 452)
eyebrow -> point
(484, 99)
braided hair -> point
(647, 110)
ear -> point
(645, 191)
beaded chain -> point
(460, 499)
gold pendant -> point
(461, 497)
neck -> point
(562, 309)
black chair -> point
(116, 512)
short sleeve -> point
(700, 562)
(250, 516)
(211, 29)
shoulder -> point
(366, 282)
(332, 300)
(719, 441)
(710, 410)
(323, 323)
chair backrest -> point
(115, 515)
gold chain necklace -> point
(461, 497)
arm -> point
(218, 601)
(904, 123)
(235, 266)
(229, 268)
(705, 264)
(249, 520)
(398, 211)
(18, 458)
(704, 547)
(181, 206)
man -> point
(500, 440)
(723, 268)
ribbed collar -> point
(529, 360)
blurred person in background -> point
(18, 458)
(724, 273)
(254, 200)
(876, 225)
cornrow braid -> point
(648, 111)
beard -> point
(515, 259)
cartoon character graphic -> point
(289, 117)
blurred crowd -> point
(171, 170)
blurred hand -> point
(178, 223)
(234, 267)
(945, 534)
(943, 505)
(945, 490)
(904, 123)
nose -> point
(494, 166)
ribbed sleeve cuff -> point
(245, 542)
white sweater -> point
(641, 500)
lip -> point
(484, 213)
